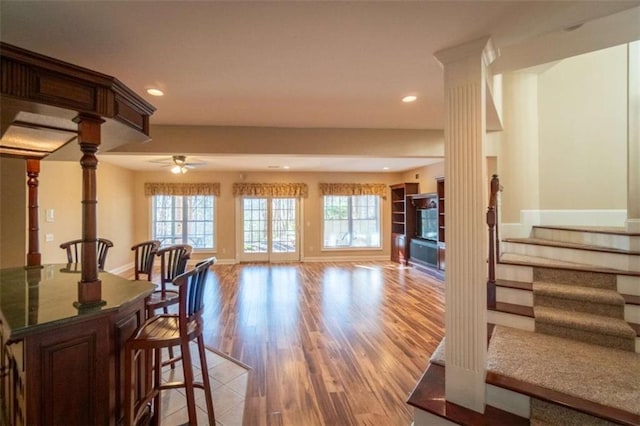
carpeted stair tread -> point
(573, 292)
(605, 376)
(569, 245)
(583, 321)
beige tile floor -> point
(228, 381)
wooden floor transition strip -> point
(589, 407)
(429, 396)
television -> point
(427, 223)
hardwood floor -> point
(328, 343)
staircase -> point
(566, 346)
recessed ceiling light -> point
(286, 167)
(385, 168)
(409, 99)
(155, 92)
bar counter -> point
(61, 364)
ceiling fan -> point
(179, 164)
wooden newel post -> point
(89, 286)
(33, 255)
(492, 220)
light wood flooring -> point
(328, 343)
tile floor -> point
(228, 381)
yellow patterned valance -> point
(153, 188)
(300, 190)
(353, 189)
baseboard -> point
(375, 258)
(121, 269)
(596, 217)
(193, 262)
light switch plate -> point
(48, 237)
(50, 215)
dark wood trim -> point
(520, 285)
(575, 246)
(41, 79)
(571, 268)
(33, 253)
(631, 299)
(591, 230)
(510, 308)
(589, 407)
(429, 395)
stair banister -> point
(494, 244)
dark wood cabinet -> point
(60, 365)
(441, 222)
(403, 220)
(427, 243)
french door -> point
(268, 230)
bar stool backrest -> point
(191, 287)
(145, 255)
(74, 251)
(173, 262)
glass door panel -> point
(284, 229)
(269, 230)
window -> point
(182, 219)
(351, 221)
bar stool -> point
(173, 262)
(145, 254)
(73, 249)
(164, 331)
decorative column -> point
(633, 141)
(89, 286)
(466, 233)
(33, 255)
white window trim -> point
(334, 249)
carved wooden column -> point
(465, 72)
(33, 255)
(89, 287)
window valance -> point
(353, 189)
(153, 188)
(300, 190)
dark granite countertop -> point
(33, 299)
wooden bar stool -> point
(145, 255)
(164, 331)
(73, 249)
(173, 262)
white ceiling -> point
(283, 64)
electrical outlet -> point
(48, 238)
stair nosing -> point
(589, 230)
(568, 245)
(512, 308)
(577, 267)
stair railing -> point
(494, 242)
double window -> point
(351, 221)
(182, 219)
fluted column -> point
(633, 142)
(89, 286)
(466, 232)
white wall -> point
(583, 132)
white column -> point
(633, 142)
(466, 233)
